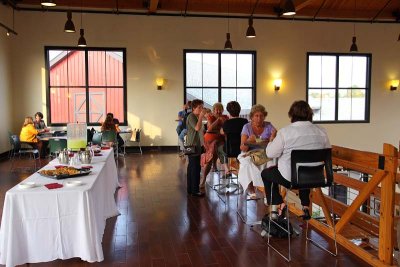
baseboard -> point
(135, 149)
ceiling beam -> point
(303, 4)
(153, 6)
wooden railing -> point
(382, 169)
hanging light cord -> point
(228, 15)
(254, 8)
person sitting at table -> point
(213, 139)
(233, 128)
(117, 129)
(300, 134)
(39, 122)
(255, 131)
(29, 134)
(108, 125)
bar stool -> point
(309, 169)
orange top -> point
(28, 134)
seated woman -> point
(254, 131)
(39, 122)
(300, 134)
(29, 135)
(213, 139)
(109, 125)
(232, 129)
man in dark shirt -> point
(232, 129)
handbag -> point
(258, 156)
(190, 150)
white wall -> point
(155, 48)
(5, 81)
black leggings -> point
(193, 174)
(272, 177)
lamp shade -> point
(69, 25)
(228, 44)
(394, 84)
(48, 3)
(250, 33)
(82, 40)
(160, 83)
(354, 47)
(289, 8)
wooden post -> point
(386, 234)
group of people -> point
(30, 131)
(300, 134)
(31, 128)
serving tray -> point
(82, 172)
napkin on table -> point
(53, 185)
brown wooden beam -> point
(386, 232)
(153, 6)
(360, 199)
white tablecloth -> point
(40, 225)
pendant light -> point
(228, 43)
(82, 40)
(289, 8)
(353, 47)
(48, 3)
(69, 25)
(251, 32)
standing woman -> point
(194, 137)
(29, 134)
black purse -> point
(190, 150)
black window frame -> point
(86, 49)
(219, 87)
(337, 88)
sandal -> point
(282, 211)
(306, 216)
(252, 196)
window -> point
(220, 76)
(338, 86)
(85, 84)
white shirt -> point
(298, 135)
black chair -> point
(309, 169)
(20, 148)
(232, 151)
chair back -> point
(137, 135)
(16, 142)
(60, 133)
(232, 145)
(57, 145)
(311, 168)
(96, 139)
(109, 136)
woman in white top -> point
(300, 134)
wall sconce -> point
(160, 83)
(278, 84)
(394, 84)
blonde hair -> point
(258, 108)
(207, 110)
(218, 106)
(28, 120)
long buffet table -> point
(40, 225)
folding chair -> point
(110, 137)
(309, 169)
(136, 137)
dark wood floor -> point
(160, 225)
